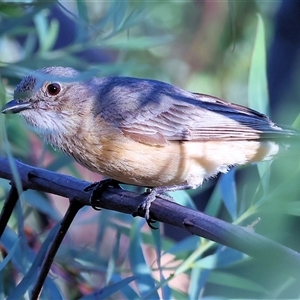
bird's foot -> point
(160, 192)
(150, 196)
(97, 188)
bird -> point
(144, 132)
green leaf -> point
(182, 247)
(41, 203)
(145, 283)
(183, 198)
(136, 43)
(9, 254)
(215, 201)
(109, 290)
(296, 123)
(47, 33)
(32, 273)
(258, 87)
(198, 280)
(234, 281)
(228, 192)
(292, 208)
(11, 9)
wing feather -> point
(153, 112)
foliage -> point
(199, 46)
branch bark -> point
(240, 238)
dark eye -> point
(53, 89)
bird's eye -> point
(53, 89)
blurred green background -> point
(246, 52)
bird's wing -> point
(154, 112)
(203, 119)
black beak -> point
(14, 107)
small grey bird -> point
(144, 132)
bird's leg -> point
(98, 188)
(160, 192)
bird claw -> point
(150, 222)
(146, 204)
(144, 208)
(97, 188)
(151, 195)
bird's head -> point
(49, 99)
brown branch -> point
(8, 207)
(73, 209)
(195, 222)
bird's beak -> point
(13, 107)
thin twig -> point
(8, 208)
(73, 209)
